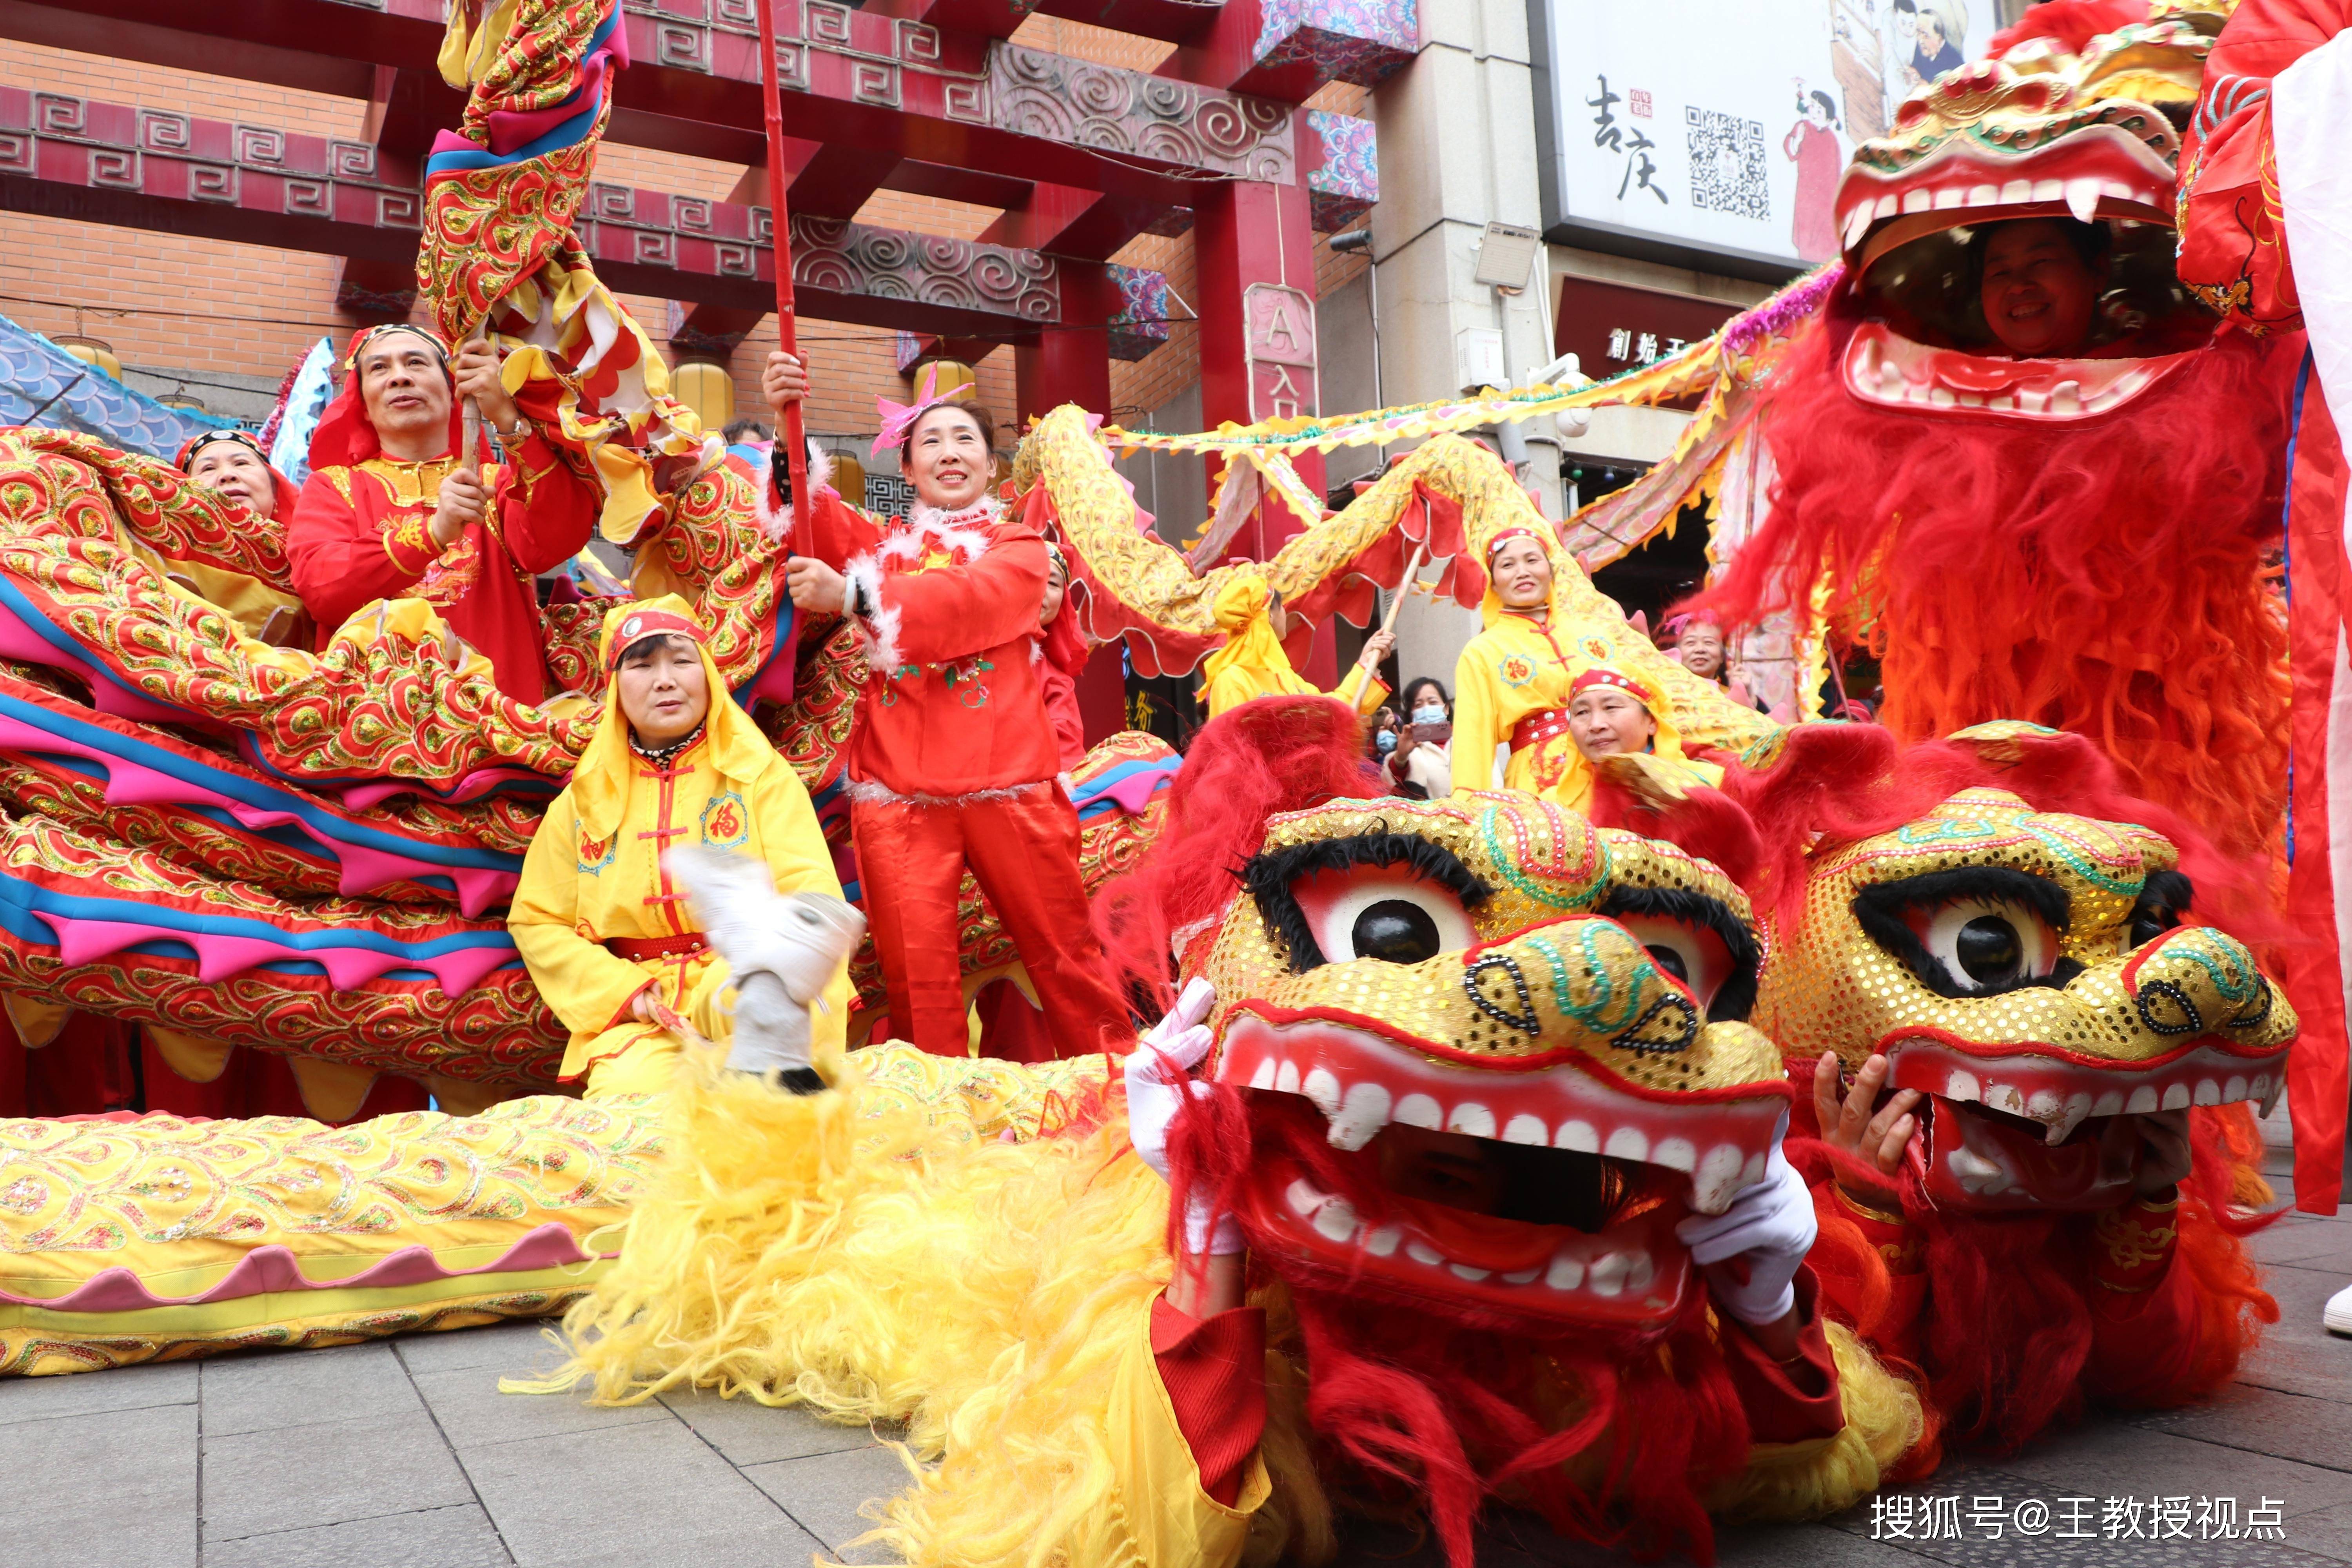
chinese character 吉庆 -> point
(1607, 133)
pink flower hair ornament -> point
(899, 419)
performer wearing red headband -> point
(390, 498)
(954, 762)
(608, 937)
(1553, 705)
(233, 463)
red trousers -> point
(1024, 852)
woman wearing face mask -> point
(1516, 683)
(1423, 758)
(607, 937)
(1253, 664)
(954, 762)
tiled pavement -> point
(405, 1455)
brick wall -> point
(187, 306)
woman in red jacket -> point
(954, 762)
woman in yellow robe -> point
(1516, 680)
(1252, 663)
(605, 932)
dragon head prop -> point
(2076, 114)
(1489, 1055)
(2035, 969)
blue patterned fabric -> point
(42, 385)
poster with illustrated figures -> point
(1723, 125)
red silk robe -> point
(364, 533)
(952, 767)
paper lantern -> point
(706, 389)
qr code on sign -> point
(1727, 163)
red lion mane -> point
(2100, 577)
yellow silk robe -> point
(593, 874)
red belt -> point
(1539, 727)
(637, 949)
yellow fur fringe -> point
(981, 1292)
(1810, 1480)
(876, 1260)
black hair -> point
(1415, 684)
(1829, 107)
(2093, 242)
(742, 428)
(646, 645)
(1906, 5)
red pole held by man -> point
(792, 437)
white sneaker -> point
(2337, 1314)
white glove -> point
(1769, 1227)
(1153, 1098)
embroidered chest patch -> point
(595, 854)
(725, 821)
(1515, 670)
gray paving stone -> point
(2297, 1354)
(113, 1488)
(2087, 1539)
(271, 1390)
(2295, 1236)
(2110, 1458)
(472, 1412)
(87, 1393)
(2311, 1431)
(647, 1493)
(328, 1472)
(825, 1491)
(750, 1433)
(514, 1348)
(455, 1537)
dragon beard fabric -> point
(2100, 576)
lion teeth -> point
(1382, 1241)
(1525, 1129)
(2266, 1091)
(1360, 1117)
(1578, 1137)
(1565, 1274)
(1627, 1143)
(1962, 1086)
(1337, 1219)
(1419, 1110)
(1472, 1118)
(2083, 199)
(2142, 1100)
(1421, 1252)
(1322, 1087)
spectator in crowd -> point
(1421, 766)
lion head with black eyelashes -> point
(1523, 1040)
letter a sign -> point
(1281, 351)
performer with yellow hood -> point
(1553, 698)
(605, 932)
(1252, 663)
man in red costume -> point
(2263, 211)
(394, 509)
(953, 762)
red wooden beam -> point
(71, 157)
(878, 82)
